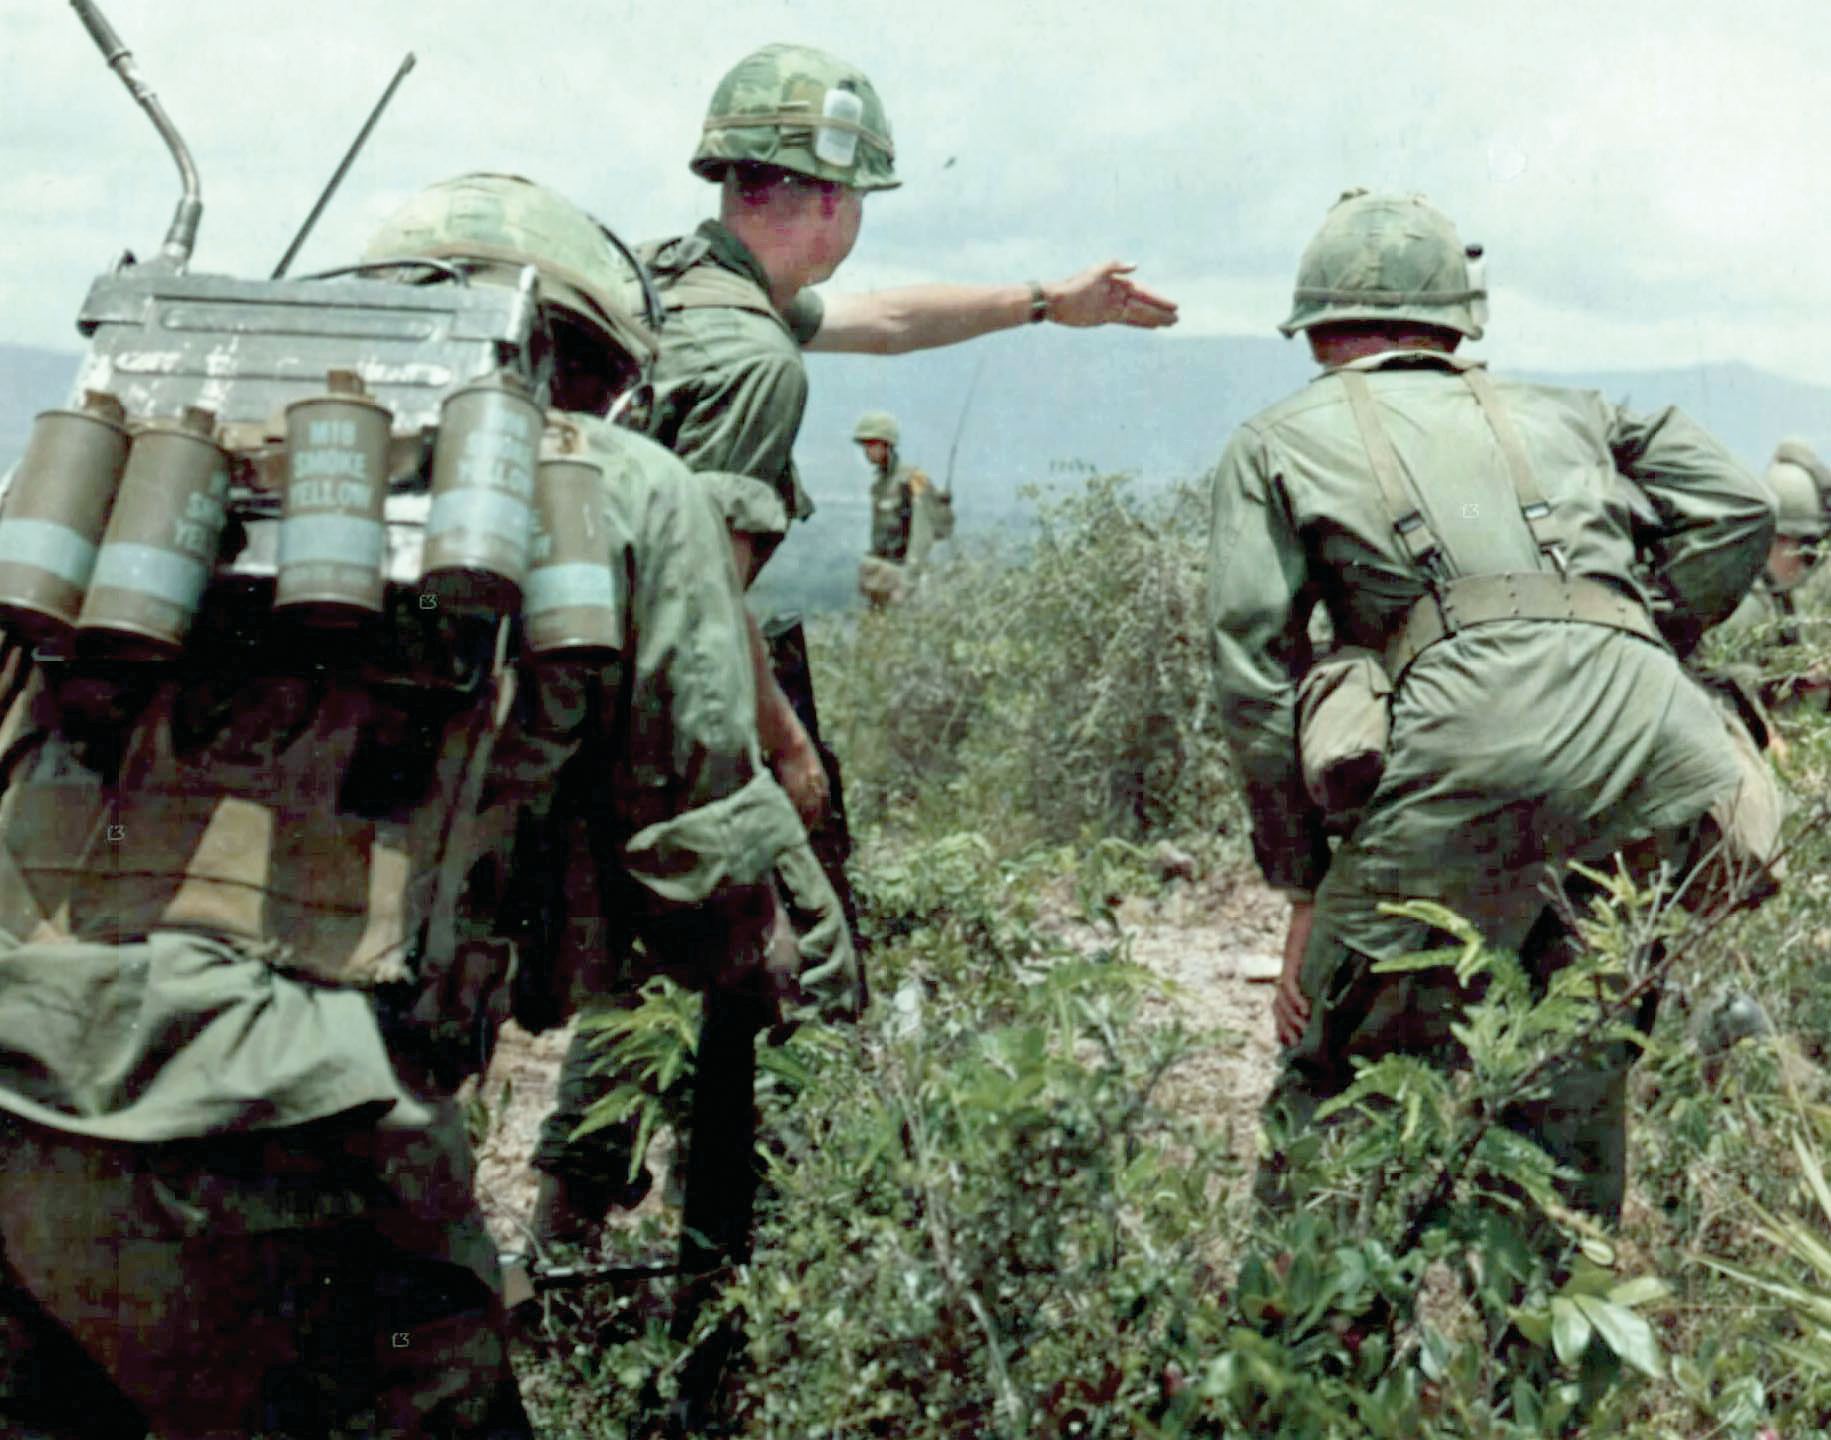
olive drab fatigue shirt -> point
(893, 512)
(730, 383)
(1512, 741)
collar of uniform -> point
(727, 250)
(1407, 357)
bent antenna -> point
(181, 238)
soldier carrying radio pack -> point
(307, 603)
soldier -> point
(237, 1187)
(1768, 623)
(908, 513)
(795, 139)
(1801, 456)
(1471, 534)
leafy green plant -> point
(1056, 695)
(648, 1048)
(986, 1216)
(986, 1229)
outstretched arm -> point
(922, 317)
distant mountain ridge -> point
(1050, 404)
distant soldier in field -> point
(1472, 536)
(1813, 594)
(909, 513)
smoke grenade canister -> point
(55, 513)
(161, 541)
(331, 534)
(570, 604)
(482, 496)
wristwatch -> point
(1039, 304)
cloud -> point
(1643, 176)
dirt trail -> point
(1205, 937)
(1209, 942)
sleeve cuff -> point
(749, 506)
(734, 841)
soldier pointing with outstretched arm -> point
(795, 139)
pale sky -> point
(1645, 176)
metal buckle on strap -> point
(1420, 544)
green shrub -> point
(981, 1218)
(1056, 695)
(985, 1225)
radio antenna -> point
(343, 167)
(181, 238)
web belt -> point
(1527, 595)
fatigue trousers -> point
(598, 1163)
(260, 1284)
(1359, 1015)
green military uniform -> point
(908, 515)
(236, 1190)
(730, 383)
(1516, 743)
(904, 525)
(1813, 594)
(893, 505)
(1755, 640)
(675, 516)
(730, 391)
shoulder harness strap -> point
(1457, 603)
(1407, 518)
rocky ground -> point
(1217, 941)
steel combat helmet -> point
(800, 109)
(876, 425)
(1798, 452)
(1386, 257)
(499, 223)
(1799, 513)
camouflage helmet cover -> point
(877, 425)
(503, 222)
(800, 109)
(1385, 257)
(1799, 512)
